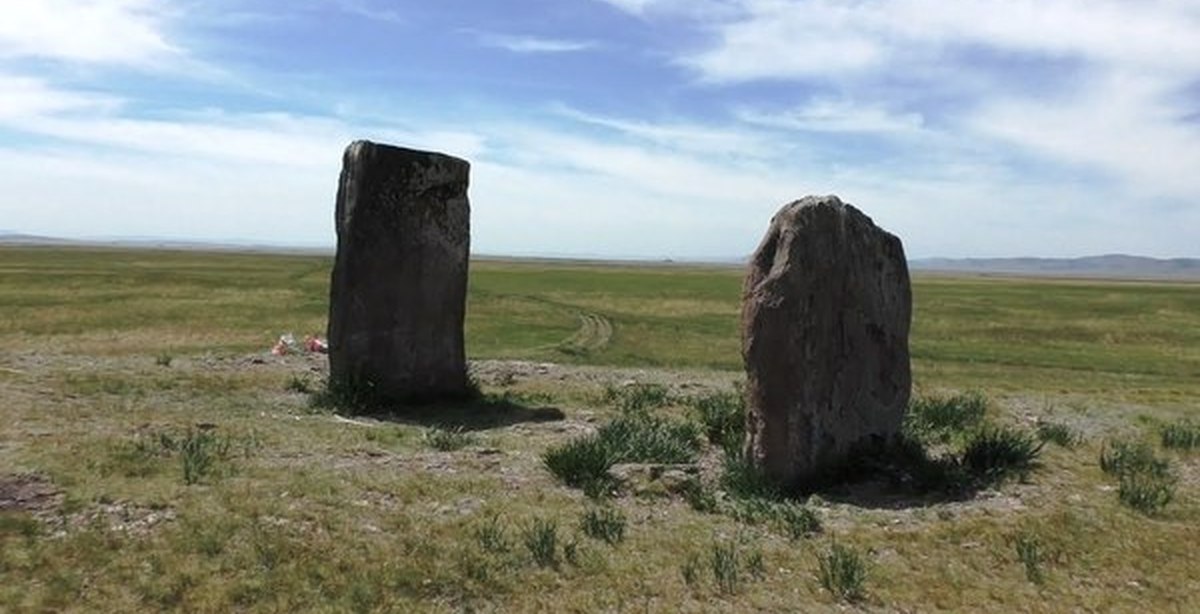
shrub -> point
(541, 540)
(447, 440)
(997, 453)
(723, 415)
(842, 571)
(944, 418)
(1181, 435)
(1058, 434)
(605, 523)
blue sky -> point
(623, 128)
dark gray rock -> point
(826, 308)
(399, 288)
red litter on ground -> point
(287, 345)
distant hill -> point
(1108, 265)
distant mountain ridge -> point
(1107, 265)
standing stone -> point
(825, 316)
(399, 288)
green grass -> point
(584, 461)
(943, 418)
(842, 571)
(1181, 435)
(113, 359)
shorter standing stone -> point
(825, 320)
(398, 294)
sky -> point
(617, 128)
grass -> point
(1181, 435)
(1146, 483)
(1058, 434)
(723, 416)
(630, 438)
(842, 571)
(448, 439)
(315, 510)
(604, 523)
(995, 454)
(1032, 556)
(541, 540)
(945, 418)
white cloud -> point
(1125, 124)
(834, 115)
(127, 32)
(684, 137)
(28, 97)
(534, 44)
(691, 9)
(827, 39)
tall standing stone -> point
(825, 319)
(398, 294)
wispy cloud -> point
(533, 44)
(684, 137)
(836, 115)
(368, 10)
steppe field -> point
(154, 455)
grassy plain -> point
(112, 359)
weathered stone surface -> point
(399, 286)
(825, 319)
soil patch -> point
(27, 492)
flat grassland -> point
(154, 455)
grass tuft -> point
(604, 523)
(1032, 556)
(541, 540)
(1181, 435)
(492, 535)
(1122, 457)
(994, 454)
(636, 398)
(1145, 483)
(726, 567)
(1058, 434)
(723, 415)
(447, 439)
(843, 572)
(300, 384)
(1146, 492)
(943, 419)
(632, 438)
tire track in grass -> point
(594, 334)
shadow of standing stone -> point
(399, 284)
(825, 320)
